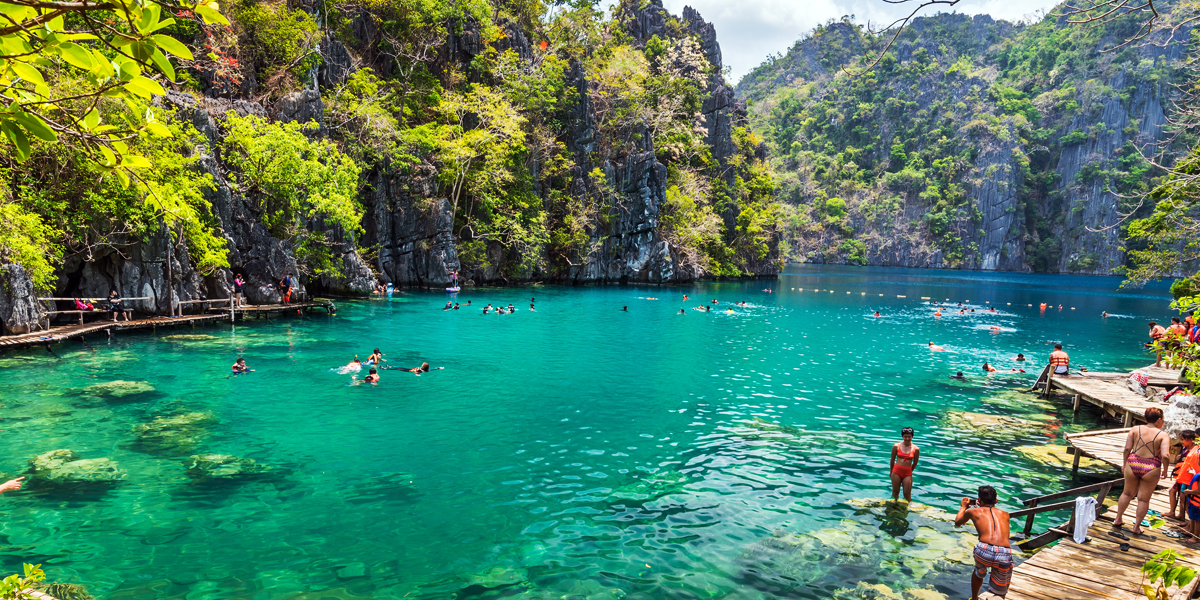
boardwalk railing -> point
(1037, 507)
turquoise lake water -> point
(578, 451)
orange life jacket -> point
(1058, 358)
(1157, 333)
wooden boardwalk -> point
(60, 334)
(1098, 568)
(1108, 391)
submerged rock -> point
(650, 487)
(64, 467)
(189, 337)
(995, 426)
(118, 389)
(177, 434)
(758, 429)
(204, 467)
(1056, 456)
(878, 591)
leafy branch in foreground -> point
(61, 60)
(14, 586)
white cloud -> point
(751, 30)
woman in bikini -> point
(1145, 448)
(904, 459)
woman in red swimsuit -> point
(904, 460)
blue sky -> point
(751, 30)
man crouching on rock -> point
(992, 551)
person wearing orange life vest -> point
(1192, 501)
(1157, 333)
(1186, 468)
(1059, 360)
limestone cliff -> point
(975, 143)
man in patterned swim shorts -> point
(992, 551)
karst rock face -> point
(20, 312)
(1040, 183)
(407, 221)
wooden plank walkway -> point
(1098, 568)
(59, 334)
(1108, 391)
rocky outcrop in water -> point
(65, 467)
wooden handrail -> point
(1041, 509)
(103, 299)
(1075, 436)
(1079, 491)
(214, 300)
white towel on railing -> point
(1085, 515)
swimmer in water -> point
(531, 308)
(486, 308)
(624, 309)
(449, 305)
(375, 358)
(1020, 357)
(685, 297)
(240, 366)
(372, 376)
(355, 362)
(707, 308)
(455, 306)
(511, 309)
(989, 368)
(992, 309)
(937, 313)
(959, 376)
(424, 368)
(681, 312)
(936, 348)
(876, 314)
(1104, 314)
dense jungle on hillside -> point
(975, 143)
(160, 148)
(395, 139)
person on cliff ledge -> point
(11, 485)
(992, 551)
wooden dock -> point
(1108, 392)
(1098, 568)
(56, 335)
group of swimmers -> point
(375, 364)
(705, 308)
(962, 310)
(987, 367)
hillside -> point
(382, 141)
(975, 143)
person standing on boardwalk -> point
(1157, 333)
(904, 459)
(1060, 361)
(238, 282)
(992, 551)
(1185, 469)
(1146, 446)
(285, 288)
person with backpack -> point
(285, 288)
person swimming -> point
(455, 306)
(449, 305)
(375, 357)
(240, 367)
(372, 376)
(681, 312)
(992, 309)
(937, 313)
(511, 309)
(531, 309)
(486, 308)
(685, 297)
(424, 368)
(707, 308)
(988, 368)
(1020, 357)
(936, 348)
(876, 314)
(959, 376)
(1104, 314)
(624, 309)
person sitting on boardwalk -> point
(1157, 333)
(240, 367)
(1145, 448)
(904, 459)
(116, 307)
(1059, 360)
(1185, 469)
(992, 551)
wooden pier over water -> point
(79, 331)
(1108, 392)
(1098, 568)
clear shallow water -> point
(578, 451)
